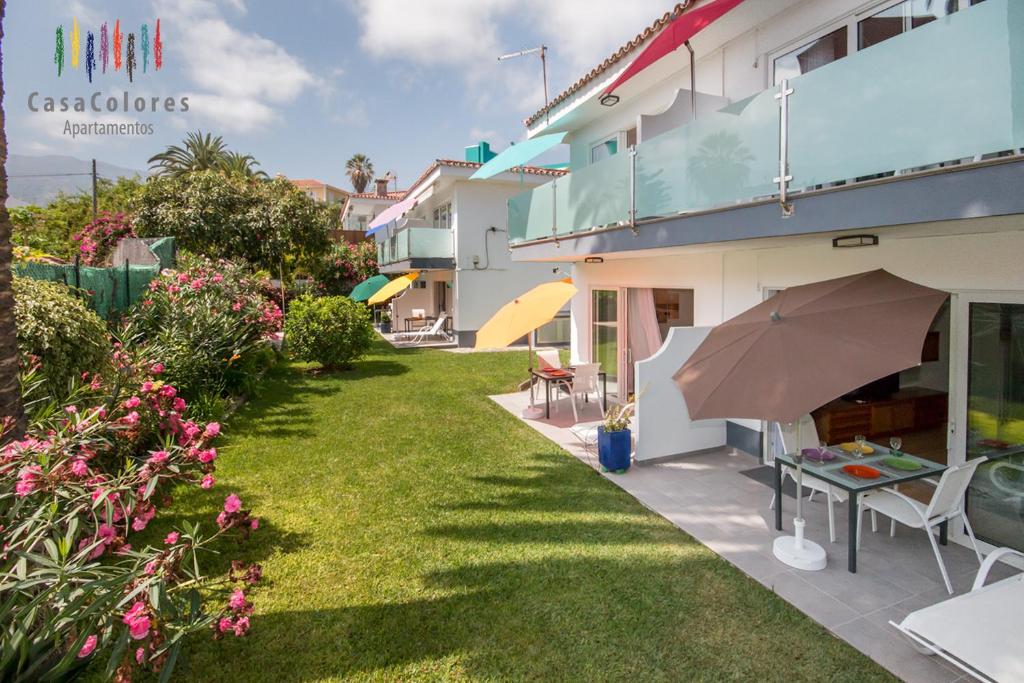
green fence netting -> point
(111, 290)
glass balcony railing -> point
(416, 243)
(944, 93)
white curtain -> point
(643, 333)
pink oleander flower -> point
(254, 523)
(237, 600)
(70, 410)
(241, 626)
(237, 306)
(140, 655)
(27, 480)
(167, 391)
(225, 625)
(232, 504)
(88, 646)
(197, 284)
(217, 278)
(222, 519)
(182, 278)
(79, 468)
(158, 458)
(150, 568)
(179, 404)
(172, 538)
(212, 430)
(137, 620)
(146, 387)
(132, 402)
(156, 368)
(207, 482)
(208, 456)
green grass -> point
(413, 530)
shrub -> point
(98, 239)
(72, 587)
(332, 330)
(57, 331)
(206, 326)
(345, 266)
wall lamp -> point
(610, 100)
(852, 241)
(593, 259)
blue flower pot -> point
(613, 449)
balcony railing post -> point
(554, 210)
(784, 176)
(632, 190)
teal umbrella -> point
(518, 155)
(367, 288)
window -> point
(900, 18)
(443, 216)
(808, 57)
(604, 149)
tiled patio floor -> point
(707, 496)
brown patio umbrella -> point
(808, 345)
(802, 348)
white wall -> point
(417, 298)
(481, 290)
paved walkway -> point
(709, 497)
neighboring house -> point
(901, 130)
(455, 237)
(329, 194)
(363, 207)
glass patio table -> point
(832, 472)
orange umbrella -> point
(524, 314)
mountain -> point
(38, 179)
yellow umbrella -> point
(524, 314)
(392, 288)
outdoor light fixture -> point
(610, 100)
(593, 259)
(851, 241)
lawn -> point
(412, 530)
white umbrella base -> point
(798, 552)
(533, 413)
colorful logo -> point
(110, 50)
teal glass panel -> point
(430, 243)
(945, 91)
(594, 196)
(530, 214)
(722, 158)
(401, 246)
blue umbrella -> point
(518, 155)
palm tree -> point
(243, 165)
(359, 170)
(199, 153)
(10, 389)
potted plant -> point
(385, 322)
(614, 439)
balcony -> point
(943, 97)
(416, 248)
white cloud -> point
(240, 77)
(476, 134)
(468, 35)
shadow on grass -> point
(681, 618)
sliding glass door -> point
(994, 420)
(604, 333)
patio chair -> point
(548, 358)
(424, 333)
(977, 632)
(809, 439)
(584, 381)
(944, 506)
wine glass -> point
(895, 443)
(861, 441)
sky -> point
(304, 85)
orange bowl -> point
(862, 471)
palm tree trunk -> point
(10, 389)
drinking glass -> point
(861, 441)
(895, 443)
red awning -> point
(681, 29)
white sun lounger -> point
(978, 632)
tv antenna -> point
(542, 50)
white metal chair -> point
(809, 439)
(584, 381)
(978, 632)
(946, 504)
(424, 333)
(549, 358)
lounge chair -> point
(977, 632)
(424, 333)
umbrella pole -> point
(795, 550)
(532, 412)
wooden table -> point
(832, 472)
(548, 378)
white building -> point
(455, 238)
(901, 124)
(362, 207)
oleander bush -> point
(206, 326)
(58, 332)
(345, 266)
(97, 240)
(333, 331)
